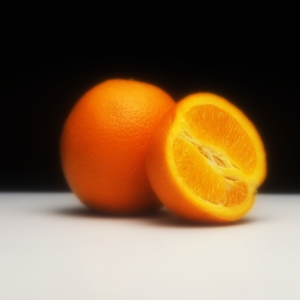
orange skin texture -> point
(171, 190)
(104, 143)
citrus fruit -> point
(104, 142)
(206, 160)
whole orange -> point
(104, 143)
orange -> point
(104, 143)
(206, 160)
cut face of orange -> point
(206, 160)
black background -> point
(37, 93)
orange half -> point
(206, 160)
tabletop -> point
(52, 247)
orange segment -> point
(205, 178)
(217, 128)
(206, 160)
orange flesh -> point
(218, 129)
(213, 156)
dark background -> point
(37, 93)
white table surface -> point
(51, 247)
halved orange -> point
(206, 160)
